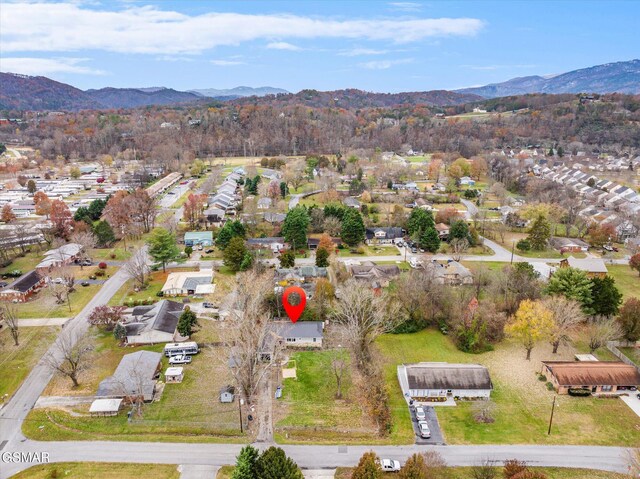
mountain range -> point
(22, 92)
(620, 77)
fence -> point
(613, 347)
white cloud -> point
(356, 52)
(406, 6)
(497, 67)
(283, 46)
(384, 64)
(226, 63)
(47, 66)
(65, 27)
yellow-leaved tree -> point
(532, 323)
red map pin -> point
(294, 311)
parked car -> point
(425, 432)
(3, 284)
(84, 283)
(180, 359)
(638, 395)
(85, 262)
(421, 414)
(208, 305)
(414, 250)
(57, 280)
(209, 250)
(390, 465)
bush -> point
(410, 326)
(15, 273)
(523, 245)
(99, 273)
(112, 256)
(188, 250)
(550, 386)
(579, 392)
(155, 267)
(102, 265)
(93, 276)
(542, 377)
(159, 294)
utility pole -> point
(553, 407)
(513, 245)
(240, 412)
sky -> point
(385, 46)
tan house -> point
(594, 267)
(600, 377)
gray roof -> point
(133, 376)
(448, 376)
(300, 329)
(590, 265)
(161, 316)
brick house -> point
(24, 287)
(601, 377)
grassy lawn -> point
(522, 402)
(186, 412)
(309, 411)
(25, 264)
(157, 279)
(19, 360)
(43, 305)
(465, 473)
(373, 250)
(627, 279)
(103, 470)
(632, 353)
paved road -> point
(472, 209)
(317, 457)
(15, 411)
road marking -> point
(2, 444)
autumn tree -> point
(163, 247)
(7, 215)
(42, 203)
(61, 219)
(629, 319)
(532, 323)
(634, 262)
(478, 167)
(567, 315)
(193, 210)
(142, 209)
(117, 214)
(601, 234)
(433, 170)
(107, 316)
(368, 467)
(427, 465)
(323, 297)
(31, 186)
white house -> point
(422, 381)
(188, 282)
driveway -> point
(432, 419)
(632, 401)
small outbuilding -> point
(227, 394)
(105, 407)
(173, 375)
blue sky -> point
(377, 46)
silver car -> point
(425, 432)
(421, 415)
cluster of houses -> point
(607, 202)
(225, 199)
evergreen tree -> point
(539, 234)
(104, 233)
(294, 227)
(284, 189)
(186, 322)
(31, 186)
(606, 296)
(273, 463)
(430, 240)
(82, 214)
(230, 230)
(96, 207)
(419, 220)
(560, 152)
(247, 261)
(246, 464)
(287, 259)
(368, 467)
(459, 229)
(163, 247)
(322, 258)
(353, 230)
(573, 284)
(234, 254)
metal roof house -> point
(188, 282)
(134, 378)
(195, 238)
(594, 267)
(425, 381)
(599, 376)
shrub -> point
(188, 250)
(523, 245)
(15, 273)
(159, 294)
(410, 326)
(550, 386)
(93, 276)
(99, 273)
(112, 256)
(102, 265)
(542, 377)
(579, 392)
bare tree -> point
(8, 313)
(70, 357)
(250, 340)
(567, 315)
(58, 290)
(137, 268)
(484, 411)
(365, 315)
(338, 367)
(459, 246)
(600, 330)
(87, 240)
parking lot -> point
(434, 426)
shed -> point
(173, 375)
(227, 394)
(105, 407)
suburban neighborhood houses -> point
(200, 280)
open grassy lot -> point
(156, 281)
(102, 470)
(23, 263)
(523, 403)
(17, 361)
(186, 412)
(43, 304)
(627, 279)
(552, 472)
(309, 411)
(373, 250)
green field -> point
(23, 263)
(19, 360)
(522, 402)
(627, 279)
(101, 470)
(43, 305)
